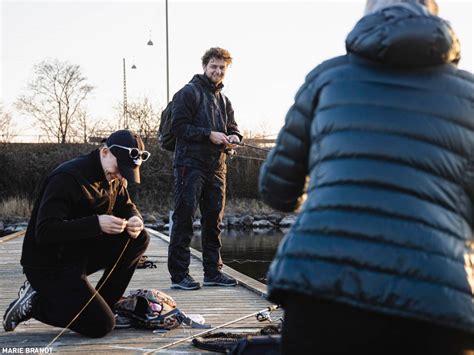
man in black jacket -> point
(380, 258)
(204, 124)
(80, 224)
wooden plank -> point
(247, 282)
(12, 236)
(218, 305)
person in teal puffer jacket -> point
(380, 142)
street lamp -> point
(150, 43)
(125, 108)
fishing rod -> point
(242, 144)
(261, 315)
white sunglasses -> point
(134, 153)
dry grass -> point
(20, 208)
(15, 207)
(247, 206)
(154, 206)
(238, 206)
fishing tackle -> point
(263, 311)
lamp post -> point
(125, 108)
(150, 43)
(167, 57)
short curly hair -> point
(218, 53)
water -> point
(247, 251)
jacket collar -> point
(206, 83)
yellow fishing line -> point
(90, 300)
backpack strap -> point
(197, 94)
(224, 102)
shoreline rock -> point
(161, 222)
(231, 221)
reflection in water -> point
(247, 251)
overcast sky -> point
(274, 45)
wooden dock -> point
(218, 305)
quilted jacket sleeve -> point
(283, 175)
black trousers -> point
(194, 188)
(313, 326)
(63, 291)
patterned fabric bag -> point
(153, 309)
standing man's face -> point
(215, 70)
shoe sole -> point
(175, 286)
(219, 284)
(10, 309)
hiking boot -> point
(122, 321)
(187, 283)
(219, 280)
(21, 309)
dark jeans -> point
(313, 326)
(63, 291)
(195, 187)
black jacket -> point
(65, 216)
(193, 120)
(386, 136)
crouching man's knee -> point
(142, 241)
(99, 328)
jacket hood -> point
(404, 35)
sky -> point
(274, 45)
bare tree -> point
(7, 131)
(54, 98)
(143, 119)
(84, 127)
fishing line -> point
(93, 296)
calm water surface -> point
(247, 251)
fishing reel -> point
(264, 316)
(230, 152)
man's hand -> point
(111, 224)
(134, 226)
(233, 139)
(218, 138)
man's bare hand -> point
(218, 138)
(111, 224)
(134, 226)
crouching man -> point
(80, 224)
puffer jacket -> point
(193, 120)
(386, 136)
